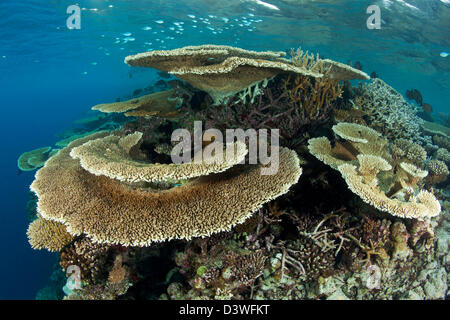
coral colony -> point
(254, 175)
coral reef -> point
(367, 219)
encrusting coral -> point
(108, 211)
(50, 235)
(370, 171)
(161, 104)
(107, 156)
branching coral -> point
(312, 97)
(332, 70)
(438, 171)
(389, 113)
(89, 257)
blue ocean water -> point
(50, 76)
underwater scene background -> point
(52, 76)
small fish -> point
(444, 54)
(127, 34)
(129, 39)
(191, 16)
(146, 28)
(159, 21)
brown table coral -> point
(161, 104)
(108, 211)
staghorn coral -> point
(162, 104)
(110, 212)
(107, 156)
(50, 235)
(312, 97)
(332, 70)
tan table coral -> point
(31, 160)
(221, 71)
(161, 104)
(194, 56)
(108, 211)
(421, 206)
(362, 157)
(342, 72)
(110, 156)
